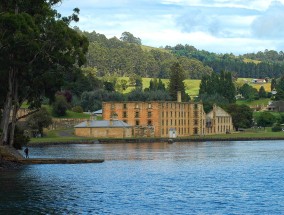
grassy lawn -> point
(56, 136)
(191, 86)
(254, 102)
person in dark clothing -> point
(26, 152)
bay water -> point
(234, 177)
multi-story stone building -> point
(169, 118)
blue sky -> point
(221, 26)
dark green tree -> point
(242, 115)
(266, 119)
(273, 84)
(262, 93)
(59, 106)
(37, 47)
(280, 89)
(176, 83)
(38, 121)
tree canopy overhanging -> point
(37, 47)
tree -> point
(37, 47)
(266, 119)
(248, 92)
(128, 37)
(242, 115)
(273, 84)
(262, 93)
(280, 89)
(176, 83)
(39, 120)
(59, 106)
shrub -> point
(60, 106)
(276, 127)
(77, 109)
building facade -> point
(168, 118)
(112, 128)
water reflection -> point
(151, 178)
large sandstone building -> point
(169, 118)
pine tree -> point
(176, 82)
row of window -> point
(179, 122)
(180, 114)
(164, 105)
(224, 120)
(137, 114)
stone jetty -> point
(9, 154)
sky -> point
(220, 26)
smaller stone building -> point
(103, 129)
(218, 121)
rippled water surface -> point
(153, 178)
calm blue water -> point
(180, 178)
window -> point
(137, 122)
(124, 106)
(195, 131)
(149, 105)
(124, 114)
(136, 114)
(149, 114)
(136, 105)
(195, 113)
(195, 106)
(149, 122)
(195, 122)
(125, 121)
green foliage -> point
(176, 83)
(242, 115)
(276, 127)
(39, 120)
(260, 65)
(209, 100)
(248, 92)
(266, 119)
(92, 101)
(20, 139)
(262, 93)
(273, 84)
(218, 84)
(77, 109)
(157, 95)
(128, 37)
(280, 89)
(37, 48)
(59, 106)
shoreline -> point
(152, 140)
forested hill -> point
(127, 57)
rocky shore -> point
(9, 158)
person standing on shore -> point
(26, 152)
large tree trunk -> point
(15, 109)
(8, 105)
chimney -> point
(178, 96)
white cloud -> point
(235, 26)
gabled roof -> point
(218, 112)
(102, 124)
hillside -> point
(125, 58)
(192, 86)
